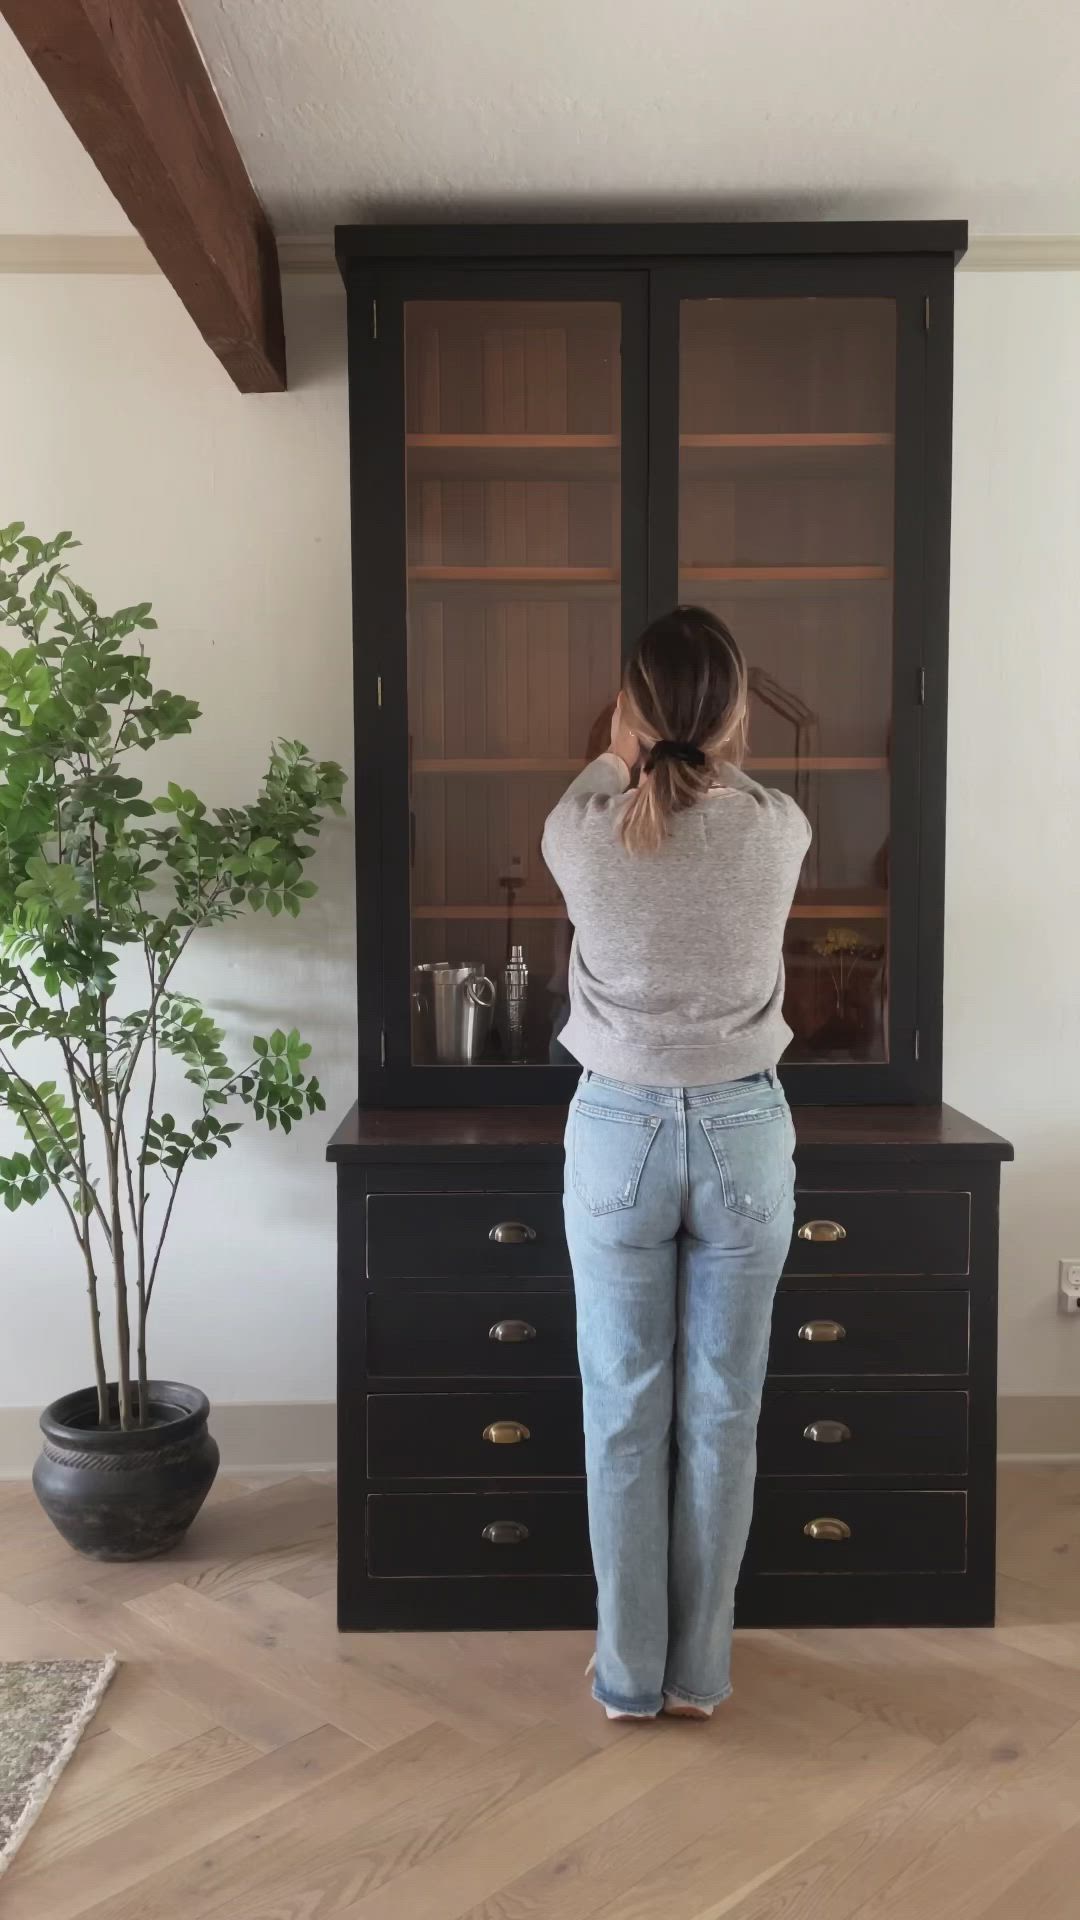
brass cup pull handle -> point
(512, 1331)
(506, 1433)
(827, 1432)
(505, 1533)
(822, 1330)
(827, 1528)
(511, 1233)
(826, 1231)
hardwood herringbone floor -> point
(250, 1764)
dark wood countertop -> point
(418, 1134)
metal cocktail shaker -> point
(516, 984)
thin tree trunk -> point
(144, 1394)
(140, 1218)
(100, 1380)
(123, 1325)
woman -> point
(679, 1190)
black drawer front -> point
(477, 1535)
(868, 1332)
(434, 1436)
(883, 1232)
(499, 1333)
(887, 1532)
(421, 1236)
(818, 1432)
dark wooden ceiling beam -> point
(129, 78)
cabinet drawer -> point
(503, 1433)
(885, 1232)
(886, 1532)
(488, 1535)
(500, 1333)
(468, 1236)
(827, 1332)
(838, 1433)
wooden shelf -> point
(826, 906)
(718, 586)
(499, 911)
(815, 763)
(858, 903)
(794, 575)
(735, 456)
(514, 583)
(517, 456)
(785, 442)
(480, 765)
(543, 576)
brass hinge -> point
(926, 314)
(382, 1046)
(375, 319)
(920, 687)
(378, 690)
(915, 1043)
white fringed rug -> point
(44, 1707)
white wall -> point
(1012, 948)
(231, 515)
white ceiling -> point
(375, 109)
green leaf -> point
(277, 1041)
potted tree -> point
(101, 892)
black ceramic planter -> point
(126, 1496)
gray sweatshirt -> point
(676, 971)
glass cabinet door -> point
(514, 515)
(786, 481)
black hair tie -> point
(683, 750)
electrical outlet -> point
(1069, 1286)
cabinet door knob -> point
(827, 1432)
(822, 1330)
(512, 1331)
(506, 1433)
(827, 1528)
(511, 1233)
(505, 1533)
(828, 1231)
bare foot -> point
(679, 1710)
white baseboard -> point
(300, 1435)
(254, 1436)
(1039, 1428)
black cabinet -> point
(462, 1496)
(557, 433)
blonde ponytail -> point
(686, 693)
(669, 787)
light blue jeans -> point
(679, 1205)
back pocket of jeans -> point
(753, 1157)
(608, 1151)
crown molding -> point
(75, 253)
(313, 254)
(1022, 253)
(306, 253)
